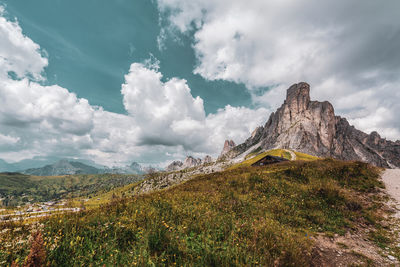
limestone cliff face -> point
(228, 146)
(312, 127)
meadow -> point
(18, 189)
(252, 216)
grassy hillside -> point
(257, 155)
(14, 182)
(20, 188)
(101, 198)
(303, 156)
(246, 216)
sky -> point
(155, 81)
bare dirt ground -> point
(355, 249)
(352, 249)
(391, 178)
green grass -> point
(20, 188)
(304, 157)
(275, 152)
(241, 217)
(96, 200)
(256, 155)
(10, 182)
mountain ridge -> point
(312, 127)
(68, 167)
(189, 162)
(63, 167)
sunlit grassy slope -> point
(305, 157)
(10, 182)
(20, 188)
(242, 217)
(256, 156)
(96, 200)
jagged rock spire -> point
(312, 127)
(298, 97)
(228, 145)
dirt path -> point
(391, 178)
(292, 154)
(331, 252)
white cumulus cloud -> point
(163, 121)
(18, 53)
(167, 114)
(342, 48)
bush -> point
(37, 254)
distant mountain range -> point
(21, 165)
(68, 167)
(63, 167)
(134, 168)
(38, 162)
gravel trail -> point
(391, 178)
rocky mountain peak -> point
(312, 127)
(135, 165)
(374, 138)
(298, 97)
(191, 162)
(62, 167)
(174, 166)
(228, 145)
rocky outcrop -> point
(174, 166)
(191, 162)
(228, 146)
(312, 127)
(207, 159)
(162, 180)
